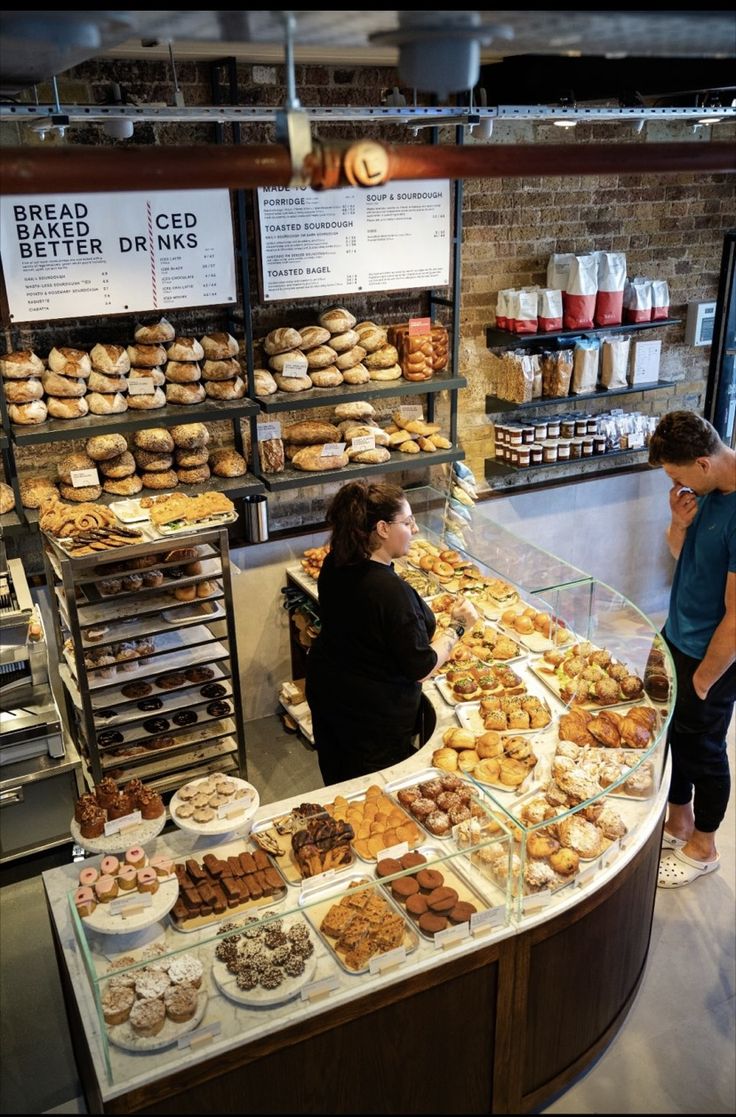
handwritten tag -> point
(269, 430)
(317, 989)
(419, 326)
(483, 920)
(364, 442)
(383, 963)
(452, 935)
(115, 825)
(411, 411)
(295, 369)
(237, 806)
(396, 851)
(131, 905)
(141, 386)
(333, 449)
(200, 1036)
(83, 477)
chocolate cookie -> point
(151, 704)
(431, 923)
(136, 690)
(105, 715)
(462, 912)
(429, 879)
(156, 725)
(109, 737)
(411, 859)
(199, 674)
(442, 899)
(184, 717)
(416, 905)
(171, 680)
(219, 709)
(387, 867)
(404, 887)
(213, 690)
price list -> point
(332, 242)
(78, 255)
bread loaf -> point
(100, 382)
(67, 408)
(391, 373)
(410, 447)
(146, 356)
(384, 357)
(111, 359)
(219, 346)
(65, 387)
(70, 362)
(183, 372)
(326, 377)
(292, 383)
(355, 409)
(7, 498)
(281, 341)
(265, 385)
(310, 458)
(309, 431)
(154, 375)
(370, 336)
(23, 391)
(28, 414)
(154, 333)
(78, 459)
(357, 375)
(225, 389)
(351, 430)
(185, 393)
(153, 461)
(186, 459)
(101, 404)
(351, 357)
(312, 336)
(370, 457)
(271, 451)
(344, 341)
(117, 468)
(185, 349)
(294, 358)
(194, 476)
(155, 438)
(163, 479)
(124, 486)
(20, 365)
(320, 357)
(226, 369)
(337, 320)
(227, 462)
(190, 436)
(34, 490)
(149, 401)
(82, 494)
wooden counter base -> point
(497, 1031)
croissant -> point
(604, 732)
(633, 734)
(644, 715)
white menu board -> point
(334, 242)
(77, 255)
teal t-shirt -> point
(708, 554)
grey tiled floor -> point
(675, 1053)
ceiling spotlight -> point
(121, 129)
(565, 123)
(711, 120)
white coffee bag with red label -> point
(526, 319)
(558, 267)
(611, 283)
(512, 309)
(638, 300)
(578, 298)
(550, 309)
(502, 318)
(660, 299)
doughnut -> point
(127, 878)
(147, 880)
(429, 879)
(106, 889)
(109, 866)
(135, 856)
(88, 876)
(404, 887)
(431, 923)
(417, 904)
(388, 867)
(84, 901)
(462, 912)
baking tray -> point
(174, 699)
(184, 527)
(164, 771)
(206, 725)
(393, 839)
(288, 866)
(182, 698)
(122, 1035)
(217, 825)
(129, 511)
(195, 738)
(469, 716)
(453, 878)
(610, 756)
(566, 811)
(552, 683)
(259, 997)
(536, 641)
(173, 651)
(448, 695)
(412, 780)
(256, 908)
(317, 902)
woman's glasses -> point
(409, 522)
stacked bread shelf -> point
(183, 688)
(502, 339)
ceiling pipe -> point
(364, 163)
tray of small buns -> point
(461, 684)
(307, 841)
(215, 804)
(150, 1008)
(437, 800)
(526, 712)
(265, 965)
(112, 589)
(588, 676)
(378, 822)
(170, 655)
(504, 761)
(537, 630)
(357, 920)
(228, 880)
(435, 894)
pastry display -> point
(227, 883)
(590, 676)
(93, 810)
(377, 821)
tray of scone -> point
(357, 920)
(505, 762)
(588, 676)
(378, 822)
(306, 841)
(432, 890)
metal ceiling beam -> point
(365, 163)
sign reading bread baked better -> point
(335, 242)
(78, 255)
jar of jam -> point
(523, 455)
(553, 428)
(599, 444)
(591, 425)
(512, 455)
(500, 451)
(536, 453)
(549, 451)
(515, 436)
(527, 434)
(581, 426)
(563, 450)
(567, 428)
(588, 446)
(540, 431)
(499, 433)
(576, 447)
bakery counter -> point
(493, 992)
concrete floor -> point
(675, 1053)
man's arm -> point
(684, 508)
(721, 651)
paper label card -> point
(83, 477)
(411, 411)
(200, 1036)
(295, 369)
(419, 326)
(141, 386)
(382, 963)
(333, 449)
(269, 430)
(317, 989)
(115, 825)
(363, 442)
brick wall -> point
(670, 227)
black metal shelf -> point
(56, 430)
(501, 469)
(502, 339)
(316, 397)
(297, 478)
(495, 404)
(11, 524)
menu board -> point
(78, 255)
(333, 242)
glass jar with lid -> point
(563, 450)
(553, 427)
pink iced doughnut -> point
(88, 876)
(127, 877)
(106, 889)
(135, 856)
(84, 899)
(163, 865)
(147, 880)
(109, 866)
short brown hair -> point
(682, 436)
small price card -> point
(383, 963)
(452, 935)
(235, 807)
(115, 825)
(419, 326)
(141, 386)
(364, 442)
(269, 430)
(396, 851)
(333, 449)
(200, 1036)
(131, 905)
(317, 989)
(483, 920)
(83, 477)
(411, 411)
(310, 883)
(536, 900)
(295, 369)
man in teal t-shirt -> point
(701, 634)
